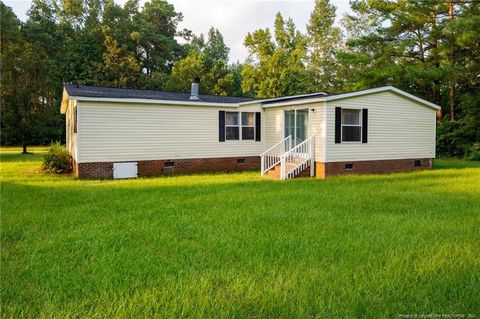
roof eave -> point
(152, 101)
(295, 102)
(383, 89)
(285, 98)
(64, 103)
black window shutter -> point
(258, 126)
(221, 126)
(338, 125)
(364, 125)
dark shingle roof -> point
(104, 92)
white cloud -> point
(234, 18)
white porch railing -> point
(298, 159)
(271, 157)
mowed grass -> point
(238, 246)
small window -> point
(248, 126)
(169, 163)
(349, 166)
(74, 120)
(417, 163)
(232, 126)
(240, 161)
(351, 126)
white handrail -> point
(298, 159)
(279, 143)
(299, 146)
(271, 157)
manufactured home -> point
(123, 133)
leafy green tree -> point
(23, 83)
(119, 67)
(207, 60)
(463, 67)
(197, 43)
(192, 66)
(215, 77)
(11, 41)
(157, 27)
(324, 42)
(215, 47)
(275, 67)
(28, 82)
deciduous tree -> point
(275, 67)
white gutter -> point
(151, 101)
(295, 102)
(282, 97)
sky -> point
(234, 18)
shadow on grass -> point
(19, 157)
(424, 190)
(454, 163)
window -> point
(239, 126)
(248, 126)
(232, 127)
(349, 166)
(351, 126)
(75, 116)
(417, 163)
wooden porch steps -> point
(274, 173)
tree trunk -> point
(434, 45)
(24, 143)
(453, 91)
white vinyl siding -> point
(398, 128)
(317, 128)
(273, 127)
(111, 132)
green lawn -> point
(236, 245)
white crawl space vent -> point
(125, 170)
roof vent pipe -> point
(195, 89)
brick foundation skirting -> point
(165, 167)
(324, 170)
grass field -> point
(238, 246)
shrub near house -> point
(57, 160)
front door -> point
(296, 125)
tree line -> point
(430, 48)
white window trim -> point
(240, 126)
(360, 118)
